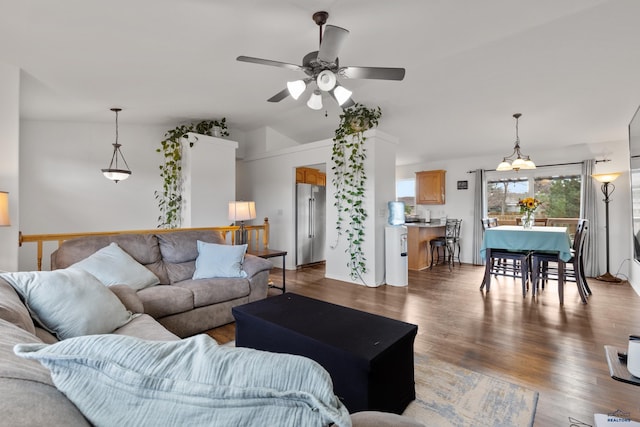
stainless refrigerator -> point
(310, 223)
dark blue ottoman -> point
(369, 357)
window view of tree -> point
(560, 197)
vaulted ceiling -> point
(571, 67)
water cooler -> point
(395, 255)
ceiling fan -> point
(322, 67)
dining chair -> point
(499, 263)
(448, 243)
(546, 266)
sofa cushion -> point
(179, 251)
(146, 327)
(128, 297)
(114, 266)
(164, 300)
(215, 260)
(213, 291)
(188, 382)
(69, 302)
(29, 397)
(12, 309)
(143, 248)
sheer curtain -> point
(478, 212)
(589, 211)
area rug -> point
(448, 395)
(452, 396)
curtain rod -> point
(547, 166)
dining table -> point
(518, 238)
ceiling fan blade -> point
(279, 96)
(332, 40)
(381, 73)
(269, 62)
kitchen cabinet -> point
(311, 176)
(418, 237)
(430, 187)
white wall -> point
(209, 169)
(9, 171)
(459, 203)
(269, 179)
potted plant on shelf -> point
(349, 178)
(169, 199)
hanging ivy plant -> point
(170, 199)
(349, 178)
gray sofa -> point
(182, 305)
(29, 397)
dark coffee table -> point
(369, 357)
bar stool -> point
(447, 243)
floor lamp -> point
(242, 211)
(607, 189)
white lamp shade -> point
(342, 94)
(116, 174)
(326, 80)
(315, 100)
(528, 164)
(606, 177)
(4, 209)
(518, 164)
(242, 211)
(504, 166)
(296, 88)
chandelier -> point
(516, 160)
(115, 172)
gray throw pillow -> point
(69, 302)
(113, 266)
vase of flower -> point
(528, 206)
(527, 220)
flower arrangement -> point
(527, 206)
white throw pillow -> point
(113, 266)
(216, 260)
(120, 380)
(69, 302)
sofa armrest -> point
(253, 265)
(128, 297)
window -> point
(558, 188)
(406, 192)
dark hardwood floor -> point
(557, 351)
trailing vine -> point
(170, 200)
(349, 179)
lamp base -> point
(608, 277)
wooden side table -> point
(272, 253)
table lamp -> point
(4, 209)
(607, 189)
(242, 211)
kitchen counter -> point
(418, 236)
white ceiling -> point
(571, 67)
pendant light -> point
(516, 160)
(114, 172)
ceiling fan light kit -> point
(322, 67)
(296, 88)
(315, 100)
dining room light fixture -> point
(115, 172)
(516, 160)
(607, 187)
